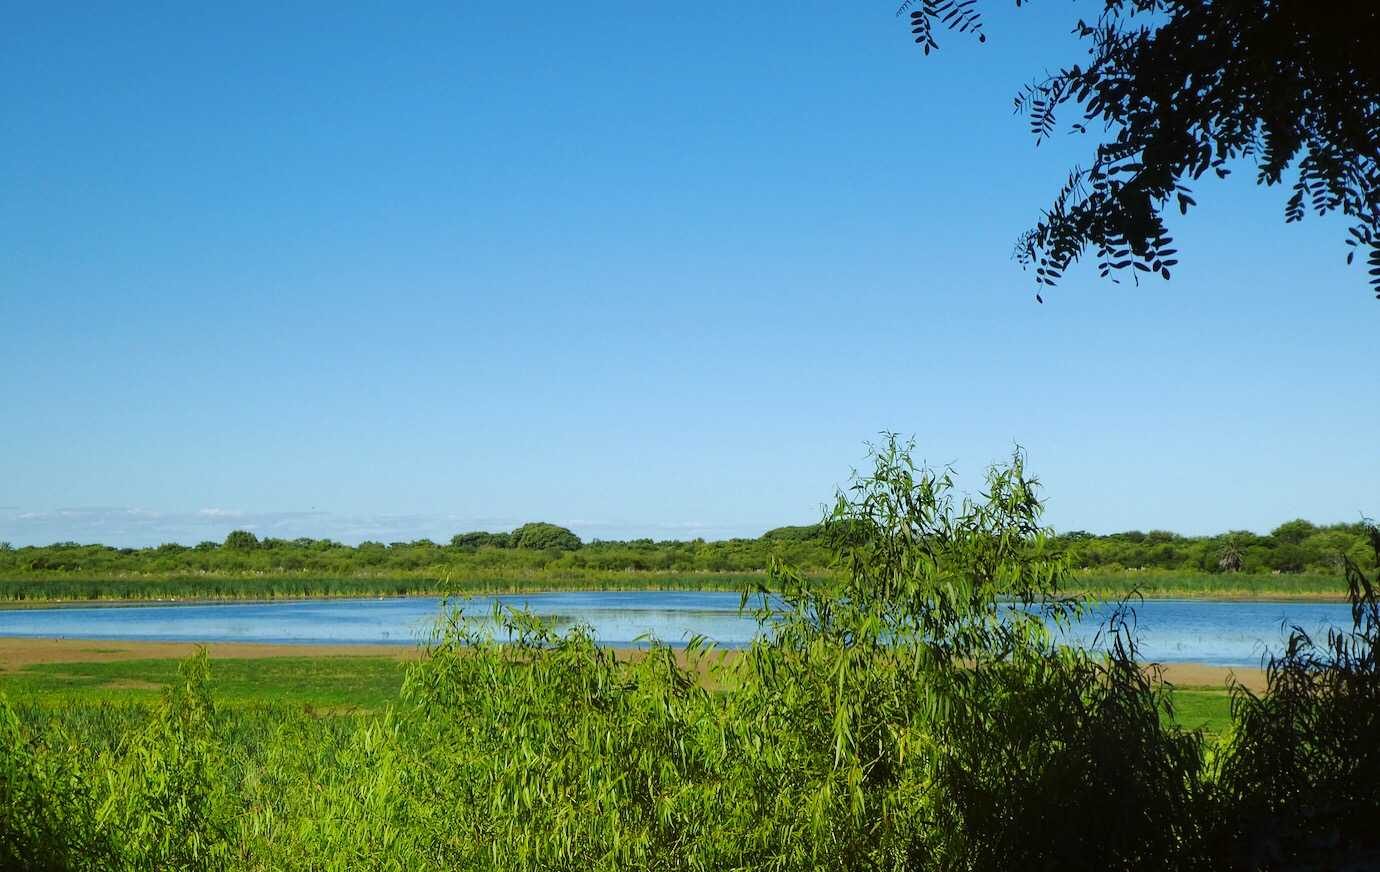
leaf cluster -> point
(1181, 88)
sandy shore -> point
(17, 654)
(1202, 675)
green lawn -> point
(1208, 709)
(339, 684)
(335, 683)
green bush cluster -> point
(531, 548)
(541, 549)
(1293, 547)
(902, 716)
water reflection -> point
(1222, 633)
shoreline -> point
(1267, 596)
(18, 653)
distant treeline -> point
(536, 547)
(1294, 547)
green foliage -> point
(1179, 87)
(914, 711)
(541, 536)
(48, 806)
(241, 540)
(1294, 547)
(176, 810)
(806, 533)
(324, 683)
(480, 539)
(1294, 532)
(1301, 775)
(959, 716)
(157, 799)
(1298, 558)
(303, 585)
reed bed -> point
(1104, 585)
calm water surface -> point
(1203, 631)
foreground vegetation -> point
(1297, 559)
(903, 716)
(339, 685)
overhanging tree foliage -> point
(1179, 88)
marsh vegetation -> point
(1297, 559)
(902, 717)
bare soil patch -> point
(1187, 675)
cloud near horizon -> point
(128, 527)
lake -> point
(1203, 631)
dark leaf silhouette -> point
(1184, 86)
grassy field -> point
(1202, 708)
(1149, 583)
(331, 685)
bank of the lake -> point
(211, 587)
(343, 679)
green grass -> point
(336, 683)
(340, 684)
(1208, 709)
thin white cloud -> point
(138, 527)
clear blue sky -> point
(356, 271)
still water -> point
(1203, 631)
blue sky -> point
(353, 271)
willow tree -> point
(1172, 90)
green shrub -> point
(913, 711)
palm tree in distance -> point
(1231, 558)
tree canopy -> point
(1173, 89)
(241, 540)
(1294, 546)
(541, 535)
